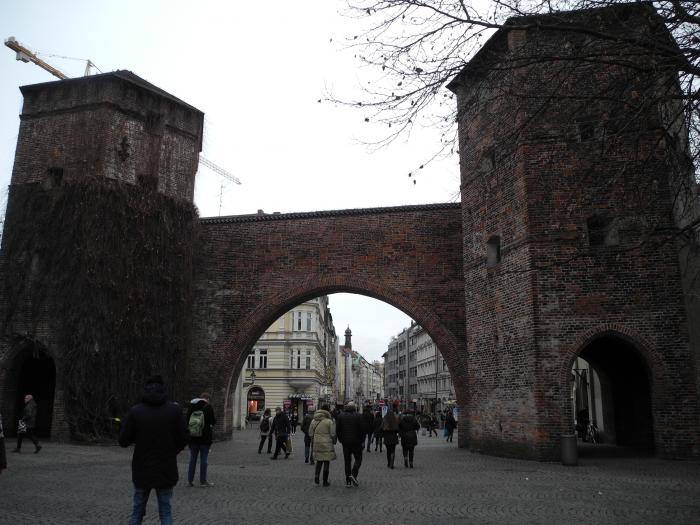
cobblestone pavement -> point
(67, 484)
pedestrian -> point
(322, 432)
(308, 450)
(281, 429)
(390, 429)
(369, 425)
(378, 435)
(27, 424)
(408, 425)
(158, 430)
(351, 430)
(265, 431)
(201, 421)
(295, 422)
(450, 425)
(3, 456)
(433, 425)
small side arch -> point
(612, 378)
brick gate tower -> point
(97, 252)
(571, 175)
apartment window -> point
(291, 359)
(308, 359)
(297, 324)
(262, 359)
(308, 321)
(251, 359)
(299, 355)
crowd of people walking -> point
(356, 431)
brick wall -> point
(252, 269)
(546, 145)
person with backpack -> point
(265, 432)
(200, 421)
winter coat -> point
(407, 430)
(209, 421)
(159, 431)
(281, 425)
(368, 418)
(390, 428)
(29, 414)
(450, 422)
(323, 436)
(350, 427)
(377, 426)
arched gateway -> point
(546, 260)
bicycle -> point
(592, 433)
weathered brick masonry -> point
(559, 246)
(252, 269)
(545, 151)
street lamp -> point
(252, 379)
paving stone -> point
(70, 485)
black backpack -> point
(265, 425)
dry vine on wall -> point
(108, 268)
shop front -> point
(299, 404)
(255, 403)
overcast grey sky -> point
(257, 70)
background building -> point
(292, 365)
(415, 372)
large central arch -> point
(252, 269)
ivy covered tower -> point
(96, 258)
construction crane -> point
(25, 55)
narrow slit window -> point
(493, 251)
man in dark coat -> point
(281, 428)
(350, 429)
(29, 419)
(369, 425)
(158, 429)
(200, 438)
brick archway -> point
(241, 337)
(252, 269)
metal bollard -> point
(569, 449)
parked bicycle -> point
(592, 432)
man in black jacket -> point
(201, 436)
(281, 427)
(157, 428)
(29, 420)
(351, 431)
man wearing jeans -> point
(158, 430)
(200, 428)
(351, 430)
